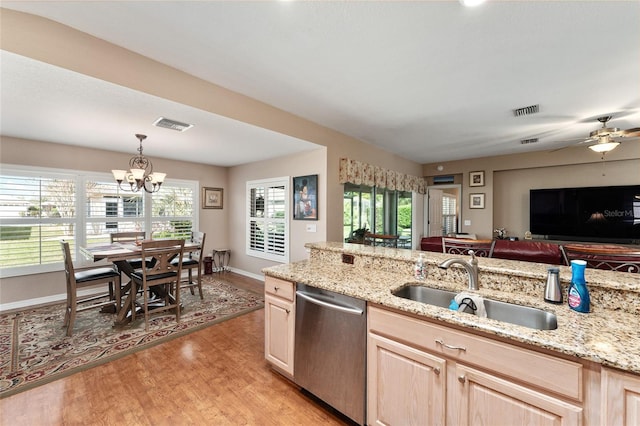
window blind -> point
(268, 219)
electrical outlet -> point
(467, 223)
(347, 258)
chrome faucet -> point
(471, 267)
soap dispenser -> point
(420, 271)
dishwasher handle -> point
(346, 309)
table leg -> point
(124, 316)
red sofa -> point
(528, 251)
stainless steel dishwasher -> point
(330, 349)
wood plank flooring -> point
(215, 376)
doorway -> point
(442, 207)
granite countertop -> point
(609, 334)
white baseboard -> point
(247, 274)
(48, 300)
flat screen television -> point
(598, 214)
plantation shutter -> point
(36, 212)
(110, 210)
(268, 218)
(173, 210)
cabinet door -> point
(620, 398)
(279, 332)
(405, 386)
(484, 399)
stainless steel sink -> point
(501, 311)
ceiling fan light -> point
(471, 3)
(604, 147)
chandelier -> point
(140, 175)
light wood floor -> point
(216, 376)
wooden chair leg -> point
(146, 308)
(116, 283)
(191, 280)
(67, 311)
(72, 314)
(200, 283)
(132, 307)
(177, 301)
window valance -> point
(359, 173)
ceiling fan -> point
(605, 136)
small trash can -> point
(208, 265)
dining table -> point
(120, 253)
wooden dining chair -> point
(481, 248)
(162, 278)
(611, 258)
(194, 261)
(86, 278)
(129, 237)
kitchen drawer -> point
(540, 370)
(278, 287)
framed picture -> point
(476, 178)
(476, 201)
(305, 197)
(212, 198)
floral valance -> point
(359, 173)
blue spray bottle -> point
(578, 293)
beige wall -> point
(508, 179)
(309, 163)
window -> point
(380, 210)
(172, 211)
(40, 207)
(36, 212)
(109, 210)
(449, 214)
(268, 219)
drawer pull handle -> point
(287, 311)
(459, 348)
(437, 371)
(276, 289)
(462, 379)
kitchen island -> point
(606, 337)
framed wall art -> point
(476, 201)
(305, 197)
(476, 178)
(212, 198)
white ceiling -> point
(431, 81)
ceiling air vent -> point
(528, 141)
(172, 124)
(532, 109)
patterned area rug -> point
(34, 348)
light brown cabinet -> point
(621, 398)
(405, 385)
(484, 398)
(423, 373)
(280, 323)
